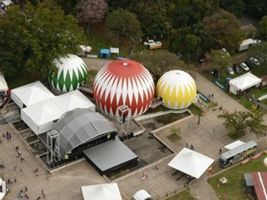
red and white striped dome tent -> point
(123, 82)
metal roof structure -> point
(79, 126)
(111, 154)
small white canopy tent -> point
(72, 100)
(109, 191)
(40, 116)
(191, 162)
(3, 84)
(243, 82)
(233, 145)
(2, 189)
(142, 195)
(30, 94)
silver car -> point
(254, 61)
(244, 67)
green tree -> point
(33, 37)
(256, 123)
(159, 62)
(256, 8)
(236, 7)
(192, 42)
(239, 122)
(259, 51)
(236, 123)
(225, 30)
(220, 60)
(262, 29)
(124, 24)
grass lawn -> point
(185, 195)
(234, 189)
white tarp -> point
(40, 116)
(30, 94)
(2, 189)
(142, 195)
(243, 82)
(109, 191)
(234, 145)
(3, 84)
(191, 162)
(72, 100)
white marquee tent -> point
(72, 100)
(243, 82)
(30, 94)
(191, 162)
(2, 189)
(3, 84)
(109, 191)
(41, 116)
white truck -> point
(245, 44)
(153, 45)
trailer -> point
(245, 44)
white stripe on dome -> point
(109, 86)
(119, 91)
(124, 90)
(130, 91)
(113, 89)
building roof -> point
(191, 162)
(123, 82)
(260, 184)
(110, 154)
(245, 81)
(79, 126)
(177, 89)
(108, 191)
(30, 94)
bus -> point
(237, 154)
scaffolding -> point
(124, 119)
(53, 147)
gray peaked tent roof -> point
(79, 126)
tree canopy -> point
(262, 29)
(33, 37)
(124, 24)
(259, 51)
(158, 62)
(225, 30)
(221, 59)
(91, 11)
(239, 122)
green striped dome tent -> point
(70, 73)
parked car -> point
(254, 61)
(237, 69)
(244, 67)
(230, 70)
